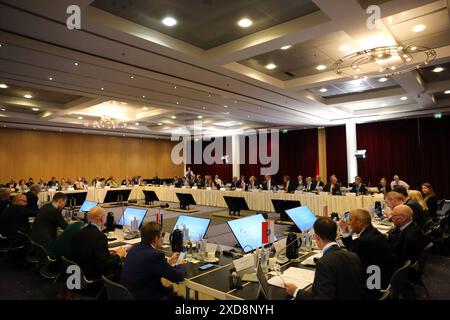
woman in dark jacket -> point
(430, 198)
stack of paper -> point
(298, 276)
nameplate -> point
(238, 189)
(255, 190)
(70, 189)
(279, 245)
(208, 188)
(323, 193)
(183, 187)
(351, 194)
(298, 191)
(245, 262)
(91, 188)
(194, 187)
(211, 247)
(107, 187)
(223, 189)
(123, 186)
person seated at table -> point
(217, 182)
(53, 183)
(300, 183)
(338, 273)
(145, 266)
(199, 182)
(12, 185)
(234, 182)
(416, 195)
(400, 196)
(241, 183)
(398, 183)
(126, 181)
(430, 198)
(48, 219)
(310, 186)
(89, 248)
(370, 245)
(21, 186)
(4, 199)
(333, 187)
(358, 187)
(33, 197)
(406, 240)
(383, 186)
(268, 183)
(189, 174)
(95, 181)
(111, 182)
(64, 184)
(287, 185)
(177, 182)
(79, 184)
(42, 183)
(208, 181)
(30, 182)
(252, 183)
(15, 217)
(319, 183)
(62, 244)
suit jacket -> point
(373, 248)
(239, 184)
(272, 184)
(406, 244)
(15, 218)
(311, 187)
(362, 188)
(48, 219)
(32, 200)
(419, 216)
(432, 206)
(338, 277)
(89, 248)
(336, 189)
(319, 184)
(290, 188)
(142, 272)
(3, 205)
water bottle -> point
(263, 260)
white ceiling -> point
(143, 76)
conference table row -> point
(259, 201)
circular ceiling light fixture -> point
(245, 23)
(169, 21)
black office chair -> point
(89, 289)
(115, 291)
(25, 240)
(427, 225)
(398, 284)
(48, 267)
(9, 244)
(423, 259)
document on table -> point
(298, 276)
(310, 260)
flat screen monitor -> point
(197, 226)
(248, 231)
(281, 206)
(130, 213)
(75, 198)
(185, 199)
(150, 196)
(302, 217)
(87, 205)
(117, 195)
(235, 204)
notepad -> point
(298, 276)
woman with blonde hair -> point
(417, 196)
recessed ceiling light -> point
(199, 117)
(169, 21)
(413, 48)
(248, 116)
(285, 47)
(143, 97)
(384, 79)
(323, 90)
(136, 124)
(225, 106)
(178, 102)
(159, 124)
(344, 47)
(447, 91)
(392, 68)
(245, 23)
(3, 86)
(265, 120)
(50, 78)
(102, 88)
(203, 108)
(35, 109)
(235, 101)
(419, 28)
(80, 118)
(131, 77)
(28, 96)
(270, 66)
(404, 98)
(174, 87)
(75, 64)
(173, 117)
(438, 69)
(144, 108)
(321, 67)
(3, 109)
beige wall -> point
(36, 154)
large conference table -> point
(259, 201)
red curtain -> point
(336, 153)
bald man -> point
(370, 245)
(15, 217)
(89, 248)
(407, 240)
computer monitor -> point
(185, 199)
(302, 217)
(130, 213)
(117, 195)
(87, 205)
(263, 283)
(248, 232)
(75, 198)
(150, 196)
(281, 206)
(197, 226)
(235, 204)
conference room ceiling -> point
(275, 73)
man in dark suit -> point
(53, 182)
(310, 186)
(48, 219)
(370, 245)
(333, 187)
(15, 217)
(199, 182)
(242, 184)
(268, 183)
(288, 186)
(146, 264)
(358, 187)
(32, 197)
(4, 199)
(338, 273)
(89, 248)
(406, 240)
